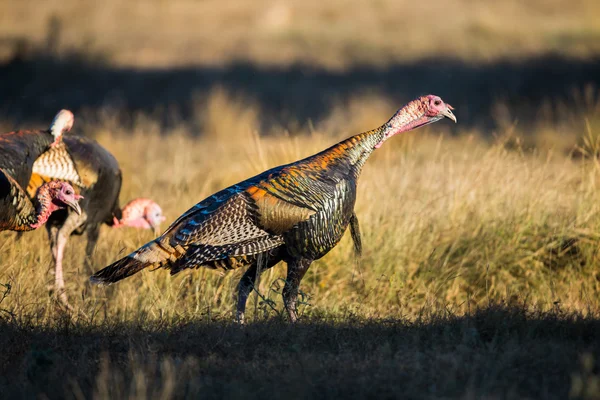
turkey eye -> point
(437, 102)
(69, 192)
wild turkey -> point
(296, 213)
(18, 152)
(140, 213)
(97, 176)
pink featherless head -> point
(62, 123)
(419, 112)
(142, 213)
(435, 106)
(55, 195)
(63, 195)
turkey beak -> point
(448, 113)
(74, 204)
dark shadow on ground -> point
(35, 86)
(496, 352)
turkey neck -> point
(44, 207)
(353, 152)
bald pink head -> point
(422, 111)
(62, 123)
(141, 213)
(55, 195)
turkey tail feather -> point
(152, 254)
(118, 270)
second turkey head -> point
(141, 213)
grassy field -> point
(491, 354)
(335, 35)
(451, 225)
(445, 219)
(296, 61)
(479, 277)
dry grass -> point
(446, 220)
(450, 224)
(334, 34)
(480, 245)
(490, 354)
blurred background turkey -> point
(193, 96)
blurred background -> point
(300, 62)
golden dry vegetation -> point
(333, 34)
(450, 221)
(480, 240)
(480, 256)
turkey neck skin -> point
(326, 184)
